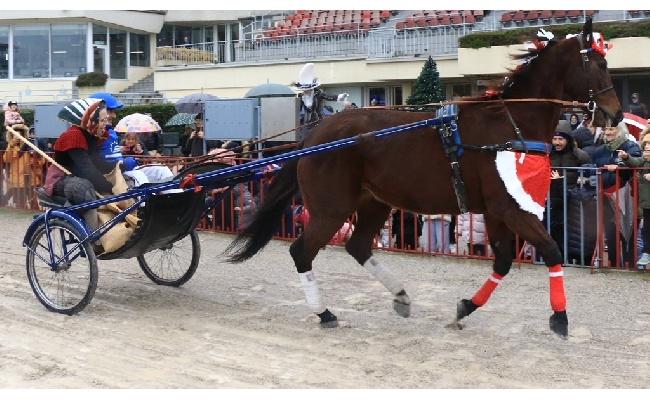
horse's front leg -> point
(501, 242)
(531, 229)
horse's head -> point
(588, 79)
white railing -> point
(382, 42)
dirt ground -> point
(248, 326)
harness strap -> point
(530, 146)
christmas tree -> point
(427, 88)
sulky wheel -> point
(168, 265)
(67, 284)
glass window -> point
(166, 36)
(68, 49)
(31, 51)
(4, 52)
(139, 50)
(118, 52)
(99, 34)
(182, 35)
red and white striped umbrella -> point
(635, 124)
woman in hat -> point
(77, 150)
(12, 114)
(312, 98)
(610, 156)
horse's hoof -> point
(328, 320)
(402, 304)
(559, 324)
(464, 308)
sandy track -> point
(248, 326)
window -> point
(118, 51)
(31, 51)
(139, 50)
(166, 36)
(68, 50)
(4, 52)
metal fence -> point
(588, 213)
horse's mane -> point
(501, 87)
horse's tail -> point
(268, 216)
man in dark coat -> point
(564, 158)
(584, 137)
(637, 108)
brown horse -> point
(411, 171)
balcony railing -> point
(379, 43)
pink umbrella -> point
(635, 124)
(137, 123)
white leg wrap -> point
(383, 275)
(310, 286)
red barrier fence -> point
(599, 211)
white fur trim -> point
(506, 166)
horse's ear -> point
(587, 32)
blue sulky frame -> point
(64, 288)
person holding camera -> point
(132, 146)
(611, 156)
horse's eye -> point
(602, 64)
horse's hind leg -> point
(371, 216)
(318, 232)
(500, 240)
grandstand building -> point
(160, 56)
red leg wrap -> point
(556, 280)
(481, 297)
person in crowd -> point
(132, 146)
(239, 203)
(643, 176)
(24, 168)
(187, 132)
(588, 138)
(407, 228)
(312, 98)
(438, 230)
(472, 230)
(610, 156)
(77, 150)
(194, 144)
(12, 114)
(574, 121)
(564, 158)
(636, 107)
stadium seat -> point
(546, 16)
(506, 19)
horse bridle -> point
(591, 103)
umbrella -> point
(193, 103)
(270, 90)
(182, 119)
(635, 124)
(137, 123)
